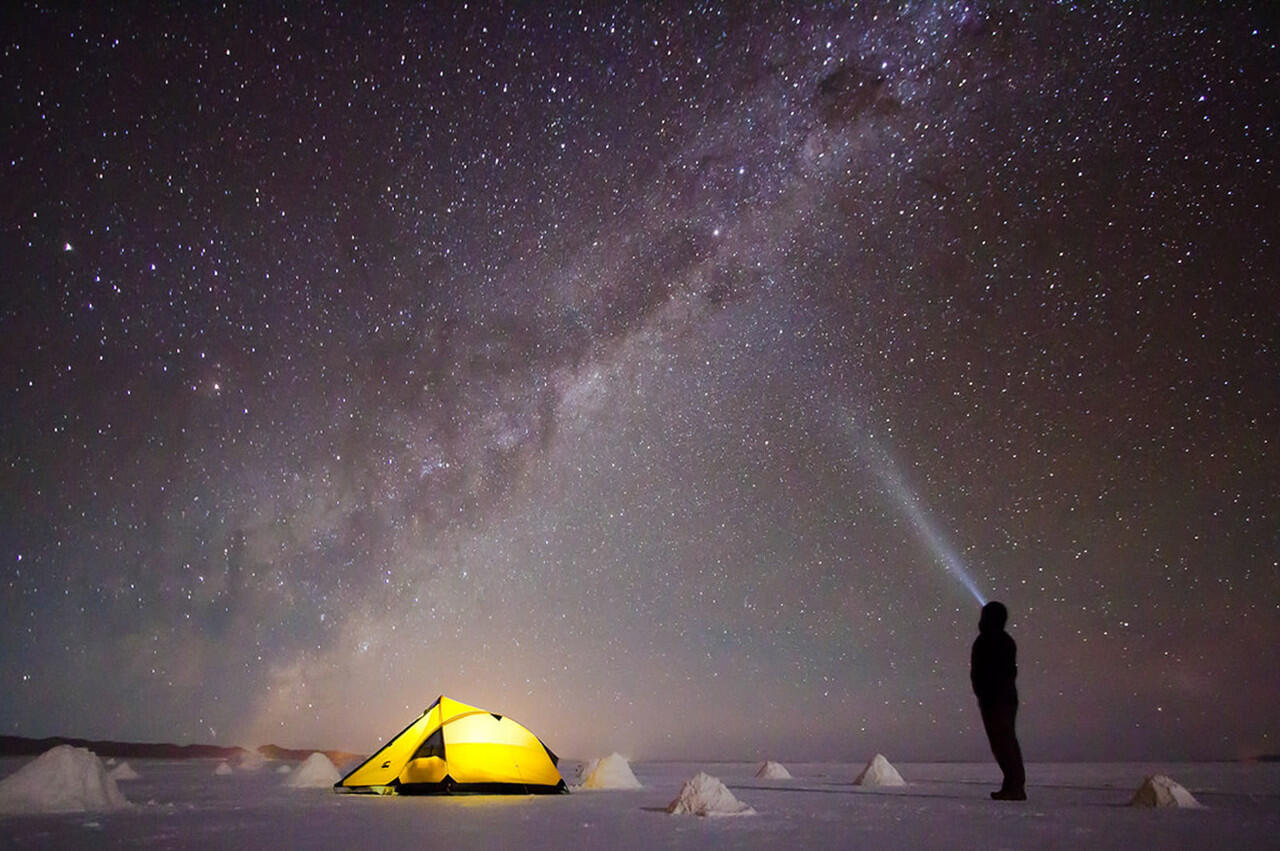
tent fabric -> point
(453, 747)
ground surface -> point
(181, 804)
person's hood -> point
(994, 617)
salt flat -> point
(182, 804)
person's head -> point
(994, 617)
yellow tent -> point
(453, 747)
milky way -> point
(551, 359)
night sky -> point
(655, 377)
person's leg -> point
(998, 719)
(1016, 773)
(991, 723)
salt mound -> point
(315, 772)
(612, 772)
(1160, 791)
(773, 771)
(123, 771)
(64, 779)
(251, 761)
(879, 772)
(284, 769)
(704, 795)
(222, 770)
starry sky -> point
(662, 376)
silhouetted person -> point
(993, 668)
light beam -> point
(911, 506)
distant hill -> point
(23, 746)
(338, 758)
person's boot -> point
(1009, 795)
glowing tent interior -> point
(456, 748)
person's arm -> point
(975, 665)
(1010, 666)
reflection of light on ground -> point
(468, 801)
